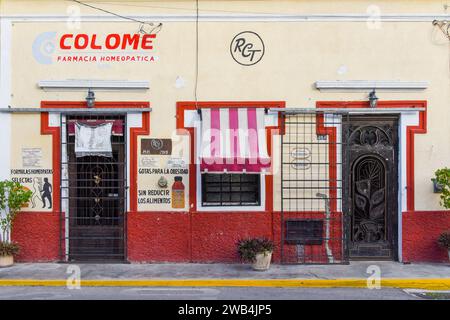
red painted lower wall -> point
(211, 237)
(38, 236)
(158, 237)
(197, 237)
(421, 229)
(215, 234)
(311, 253)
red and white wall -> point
(403, 54)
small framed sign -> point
(300, 153)
(31, 157)
(301, 165)
(161, 147)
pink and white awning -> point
(233, 140)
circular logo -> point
(247, 48)
(44, 47)
(157, 144)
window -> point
(231, 190)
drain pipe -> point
(327, 226)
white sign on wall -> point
(31, 157)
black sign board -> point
(156, 147)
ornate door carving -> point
(370, 192)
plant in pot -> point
(258, 251)
(13, 197)
(444, 241)
(442, 179)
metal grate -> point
(231, 189)
(304, 231)
(93, 190)
(312, 221)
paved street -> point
(127, 273)
(90, 293)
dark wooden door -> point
(370, 193)
(97, 199)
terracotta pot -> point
(6, 261)
(262, 261)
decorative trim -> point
(134, 133)
(410, 132)
(56, 141)
(94, 84)
(419, 107)
(346, 17)
(182, 106)
(46, 129)
(335, 85)
(367, 110)
(114, 110)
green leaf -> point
(443, 178)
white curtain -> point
(93, 140)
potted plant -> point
(7, 252)
(444, 241)
(13, 197)
(442, 181)
(256, 250)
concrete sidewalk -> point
(393, 274)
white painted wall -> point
(5, 98)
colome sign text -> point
(113, 41)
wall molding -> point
(352, 17)
(364, 85)
(85, 84)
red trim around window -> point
(181, 129)
(410, 131)
(56, 141)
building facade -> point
(165, 131)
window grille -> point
(231, 190)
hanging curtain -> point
(117, 125)
(93, 140)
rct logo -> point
(247, 48)
(44, 47)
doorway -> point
(370, 192)
(96, 195)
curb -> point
(427, 284)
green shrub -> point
(443, 179)
(9, 248)
(13, 196)
(249, 248)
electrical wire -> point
(444, 26)
(157, 27)
(187, 9)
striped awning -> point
(233, 140)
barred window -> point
(219, 190)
